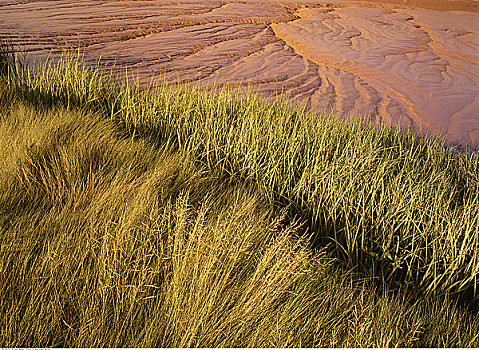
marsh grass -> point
(398, 205)
(181, 217)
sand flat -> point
(413, 63)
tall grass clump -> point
(114, 242)
(395, 205)
(177, 217)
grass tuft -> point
(178, 217)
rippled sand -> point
(414, 64)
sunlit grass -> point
(402, 206)
(181, 217)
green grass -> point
(175, 217)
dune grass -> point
(179, 217)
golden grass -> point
(175, 218)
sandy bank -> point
(414, 63)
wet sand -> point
(413, 63)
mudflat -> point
(412, 63)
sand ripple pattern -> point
(409, 66)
